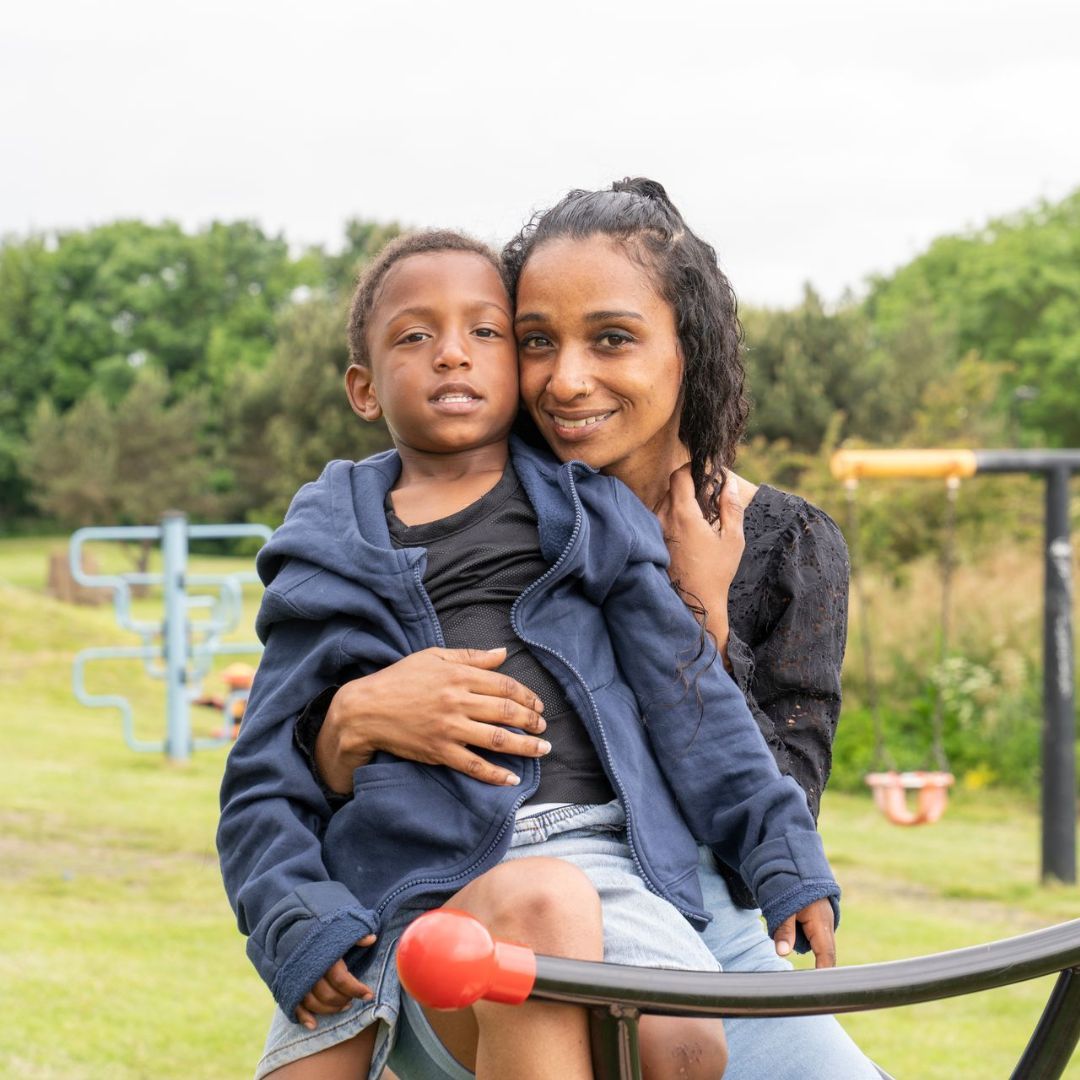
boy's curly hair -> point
(424, 242)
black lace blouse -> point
(787, 611)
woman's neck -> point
(648, 474)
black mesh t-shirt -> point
(479, 561)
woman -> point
(629, 347)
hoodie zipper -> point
(643, 873)
(469, 871)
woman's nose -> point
(570, 377)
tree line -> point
(143, 367)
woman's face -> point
(600, 362)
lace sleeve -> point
(794, 680)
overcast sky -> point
(808, 141)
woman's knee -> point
(545, 903)
(682, 1048)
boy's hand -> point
(816, 919)
(334, 992)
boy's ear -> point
(360, 387)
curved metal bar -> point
(114, 701)
(801, 993)
(1055, 1036)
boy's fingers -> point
(785, 937)
(346, 983)
(364, 942)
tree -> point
(123, 464)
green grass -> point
(119, 957)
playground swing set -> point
(448, 960)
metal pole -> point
(1059, 725)
(174, 546)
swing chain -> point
(883, 759)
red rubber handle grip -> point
(447, 960)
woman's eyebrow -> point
(603, 316)
(529, 316)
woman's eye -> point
(535, 341)
(613, 339)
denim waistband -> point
(606, 817)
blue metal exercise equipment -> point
(177, 649)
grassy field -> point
(119, 957)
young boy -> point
(460, 536)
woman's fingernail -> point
(545, 746)
(783, 948)
(510, 780)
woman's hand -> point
(704, 557)
(818, 925)
(431, 707)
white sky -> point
(809, 141)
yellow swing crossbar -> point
(947, 464)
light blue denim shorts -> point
(640, 929)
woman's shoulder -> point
(776, 518)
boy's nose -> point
(451, 355)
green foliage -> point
(1010, 292)
(87, 310)
(284, 423)
(126, 463)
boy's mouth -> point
(455, 398)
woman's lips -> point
(578, 428)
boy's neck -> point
(434, 486)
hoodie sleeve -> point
(273, 815)
(710, 749)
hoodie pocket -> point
(407, 823)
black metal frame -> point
(616, 996)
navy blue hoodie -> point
(672, 730)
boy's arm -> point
(708, 745)
(298, 921)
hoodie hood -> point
(335, 534)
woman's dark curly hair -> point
(638, 213)
(425, 242)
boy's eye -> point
(414, 337)
(535, 341)
(485, 331)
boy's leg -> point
(681, 1048)
(349, 1060)
(550, 906)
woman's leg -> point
(786, 1048)
(550, 906)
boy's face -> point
(443, 356)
